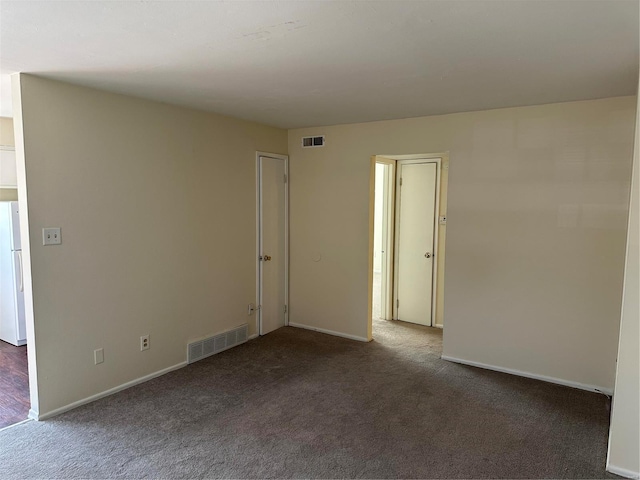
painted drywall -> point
(624, 437)
(8, 194)
(379, 204)
(537, 208)
(6, 132)
(302, 63)
(7, 139)
(157, 209)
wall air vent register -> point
(310, 142)
(217, 343)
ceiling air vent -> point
(308, 142)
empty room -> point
(346, 239)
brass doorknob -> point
(427, 255)
(267, 258)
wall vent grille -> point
(310, 142)
(218, 343)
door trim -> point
(258, 310)
(396, 235)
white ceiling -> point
(308, 63)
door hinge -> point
(397, 303)
(285, 309)
(285, 178)
(400, 181)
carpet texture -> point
(302, 404)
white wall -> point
(624, 437)
(537, 209)
(157, 209)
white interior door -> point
(272, 258)
(415, 227)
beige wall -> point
(7, 138)
(624, 438)
(6, 131)
(8, 194)
(157, 209)
(537, 209)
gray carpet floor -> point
(302, 404)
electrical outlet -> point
(98, 355)
(144, 342)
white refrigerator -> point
(12, 322)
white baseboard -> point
(623, 472)
(328, 332)
(36, 416)
(520, 373)
(251, 337)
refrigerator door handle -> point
(21, 272)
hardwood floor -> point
(14, 384)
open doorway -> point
(383, 239)
(14, 372)
(408, 216)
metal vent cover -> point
(195, 350)
(315, 141)
(211, 345)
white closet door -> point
(415, 227)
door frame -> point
(436, 224)
(388, 235)
(441, 183)
(258, 309)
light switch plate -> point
(98, 355)
(51, 236)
